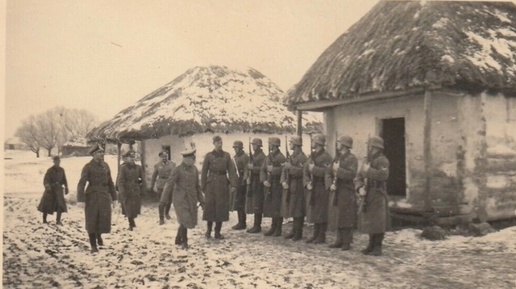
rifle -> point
(362, 204)
(250, 174)
(267, 190)
(287, 177)
(334, 183)
(311, 160)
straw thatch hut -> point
(437, 80)
(203, 101)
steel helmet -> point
(319, 139)
(376, 141)
(238, 144)
(296, 140)
(346, 140)
(257, 141)
(274, 141)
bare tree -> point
(28, 134)
(73, 123)
(48, 127)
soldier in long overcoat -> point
(371, 182)
(294, 203)
(339, 180)
(131, 185)
(56, 187)
(317, 197)
(187, 193)
(241, 160)
(162, 171)
(217, 175)
(270, 176)
(97, 196)
(254, 198)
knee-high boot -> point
(321, 239)
(317, 229)
(93, 242)
(370, 246)
(377, 245)
(279, 225)
(347, 238)
(298, 228)
(218, 227)
(257, 227)
(338, 242)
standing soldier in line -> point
(318, 197)
(270, 176)
(254, 202)
(339, 179)
(131, 185)
(97, 197)
(371, 184)
(294, 203)
(53, 198)
(241, 160)
(187, 193)
(162, 171)
(217, 175)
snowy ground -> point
(45, 256)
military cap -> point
(95, 148)
(162, 152)
(129, 153)
(319, 139)
(346, 140)
(376, 141)
(257, 141)
(296, 140)
(216, 138)
(188, 152)
(56, 158)
(275, 141)
(238, 144)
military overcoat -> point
(187, 193)
(317, 199)
(272, 202)
(131, 185)
(241, 160)
(53, 198)
(254, 198)
(294, 203)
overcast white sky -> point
(105, 55)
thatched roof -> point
(403, 45)
(206, 99)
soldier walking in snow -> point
(318, 198)
(217, 175)
(254, 198)
(371, 184)
(270, 176)
(131, 185)
(56, 187)
(241, 160)
(294, 204)
(187, 193)
(162, 171)
(339, 180)
(97, 196)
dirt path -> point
(45, 256)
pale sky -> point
(103, 56)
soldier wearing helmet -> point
(254, 197)
(339, 179)
(241, 160)
(318, 197)
(270, 177)
(294, 204)
(372, 186)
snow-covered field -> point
(50, 256)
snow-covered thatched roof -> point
(401, 45)
(207, 99)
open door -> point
(393, 134)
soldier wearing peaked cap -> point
(254, 197)
(318, 197)
(217, 176)
(294, 203)
(98, 196)
(270, 176)
(371, 183)
(56, 187)
(162, 171)
(339, 180)
(241, 160)
(131, 185)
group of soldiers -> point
(272, 186)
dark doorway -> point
(167, 149)
(393, 134)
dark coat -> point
(375, 218)
(272, 203)
(168, 188)
(294, 203)
(254, 199)
(53, 197)
(161, 173)
(131, 185)
(187, 193)
(218, 172)
(345, 194)
(241, 160)
(317, 199)
(97, 196)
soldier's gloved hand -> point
(47, 187)
(309, 186)
(287, 165)
(333, 187)
(336, 166)
(250, 166)
(311, 167)
(248, 181)
(361, 191)
(66, 191)
(233, 190)
(267, 184)
(285, 185)
(269, 168)
(366, 167)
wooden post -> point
(119, 147)
(427, 149)
(299, 115)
